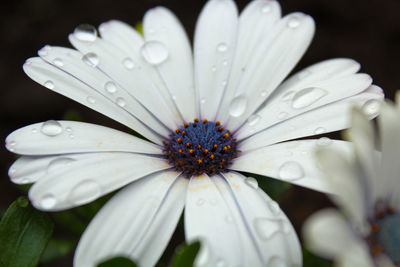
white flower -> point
(153, 85)
(367, 233)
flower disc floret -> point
(201, 147)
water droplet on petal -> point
(238, 106)
(276, 261)
(154, 52)
(320, 130)
(213, 69)
(222, 47)
(274, 207)
(121, 102)
(91, 59)
(128, 63)
(51, 128)
(110, 87)
(84, 192)
(200, 202)
(266, 228)
(91, 100)
(371, 107)
(252, 182)
(47, 201)
(229, 219)
(44, 51)
(85, 33)
(58, 62)
(291, 171)
(58, 163)
(293, 22)
(324, 141)
(224, 83)
(288, 96)
(174, 97)
(266, 8)
(11, 145)
(221, 263)
(225, 62)
(253, 119)
(283, 115)
(68, 129)
(34, 130)
(202, 101)
(263, 93)
(307, 97)
(49, 84)
(303, 74)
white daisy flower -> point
(153, 85)
(368, 192)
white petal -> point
(163, 30)
(205, 220)
(135, 75)
(272, 60)
(214, 48)
(81, 181)
(346, 182)
(255, 22)
(59, 81)
(293, 162)
(83, 68)
(137, 222)
(328, 234)
(60, 137)
(327, 118)
(270, 232)
(358, 255)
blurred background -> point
(367, 31)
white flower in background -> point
(154, 85)
(367, 233)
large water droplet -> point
(276, 261)
(49, 84)
(110, 87)
(307, 97)
(58, 62)
(47, 201)
(252, 182)
(291, 171)
(84, 192)
(238, 106)
(222, 47)
(266, 228)
(58, 163)
(324, 141)
(51, 128)
(253, 119)
(121, 102)
(371, 107)
(154, 52)
(91, 59)
(128, 63)
(293, 22)
(85, 33)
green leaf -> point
(139, 27)
(72, 115)
(118, 262)
(185, 255)
(57, 248)
(24, 233)
(311, 260)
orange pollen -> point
(205, 121)
(199, 161)
(225, 148)
(179, 140)
(186, 125)
(376, 249)
(191, 151)
(226, 135)
(188, 144)
(220, 129)
(374, 228)
(180, 150)
(212, 156)
(177, 130)
(222, 160)
(217, 123)
(391, 210)
(228, 146)
(205, 151)
(199, 146)
(183, 133)
(215, 146)
(196, 120)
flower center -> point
(201, 147)
(385, 234)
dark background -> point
(368, 31)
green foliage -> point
(56, 249)
(311, 260)
(72, 115)
(185, 255)
(24, 233)
(118, 262)
(139, 27)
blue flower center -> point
(388, 236)
(201, 147)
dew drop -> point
(320, 130)
(263, 93)
(307, 97)
(51, 128)
(200, 202)
(47, 201)
(68, 129)
(58, 163)
(85, 33)
(213, 69)
(49, 84)
(44, 51)
(371, 107)
(202, 101)
(110, 87)
(253, 119)
(266, 228)
(91, 100)
(276, 261)
(221, 263)
(174, 97)
(121, 102)
(154, 52)
(91, 59)
(128, 63)
(283, 115)
(324, 141)
(225, 62)
(291, 171)
(274, 207)
(71, 136)
(266, 8)
(222, 47)
(34, 130)
(58, 62)
(84, 192)
(252, 182)
(224, 83)
(238, 106)
(288, 96)
(293, 22)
